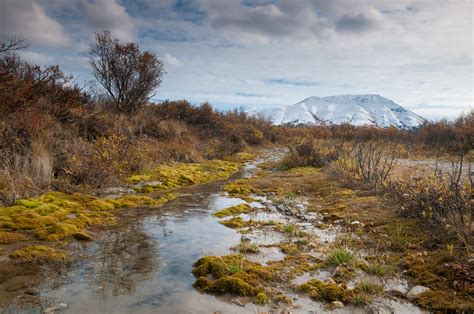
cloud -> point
(36, 58)
(292, 82)
(29, 19)
(356, 22)
(109, 15)
(267, 21)
(171, 60)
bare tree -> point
(12, 44)
(128, 75)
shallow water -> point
(147, 265)
(144, 265)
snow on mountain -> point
(372, 110)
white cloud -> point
(36, 57)
(109, 15)
(29, 19)
(171, 60)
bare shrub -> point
(368, 162)
(128, 75)
(102, 163)
(443, 200)
(374, 162)
(314, 153)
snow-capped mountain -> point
(354, 109)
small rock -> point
(338, 304)
(59, 307)
(304, 224)
(237, 302)
(293, 296)
(416, 291)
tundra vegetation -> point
(403, 197)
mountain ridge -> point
(366, 109)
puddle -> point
(266, 254)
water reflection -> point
(146, 264)
(125, 258)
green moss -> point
(231, 284)
(237, 223)
(136, 178)
(241, 157)
(183, 174)
(343, 273)
(229, 274)
(445, 301)
(240, 188)
(328, 292)
(39, 253)
(290, 248)
(56, 216)
(260, 299)
(234, 211)
(429, 270)
(281, 298)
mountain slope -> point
(354, 109)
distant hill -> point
(354, 109)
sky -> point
(243, 53)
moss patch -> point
(11, 237)
(238, 223)
(56, 216)
(323, 291)
(290, 248)
(230, 274)
(240, 188)
(234, 211)
(260, 299)
(39, 253)
(184, 174)
(445, 301)
(241, 157)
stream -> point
(144, 264)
